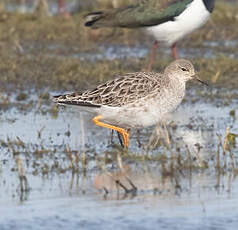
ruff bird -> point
(134, 100)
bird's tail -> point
(93, 17)
(60, 99)
(73, 99)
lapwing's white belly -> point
(191, 19)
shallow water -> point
(29, 7)
(111, 52)
(90, 212)
(196, 199)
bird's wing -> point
(145, 13)
(115, 93)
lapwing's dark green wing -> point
(144, 13)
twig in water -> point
(218, 165)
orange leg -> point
(122, 131)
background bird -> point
(167, 20)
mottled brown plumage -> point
(116, 93)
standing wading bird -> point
(167, 20)
(134, 100)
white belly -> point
(142, 114)
(191, 19)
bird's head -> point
(183, 69)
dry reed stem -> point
(218, 164)
(21, 174)
(226, 140)
(84, 157)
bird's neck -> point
(209, 4)
(177, 85)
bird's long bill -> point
(196, 77)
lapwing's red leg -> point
(174, 51)
(153, 54)
(62, 9)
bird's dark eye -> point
(184, 69)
